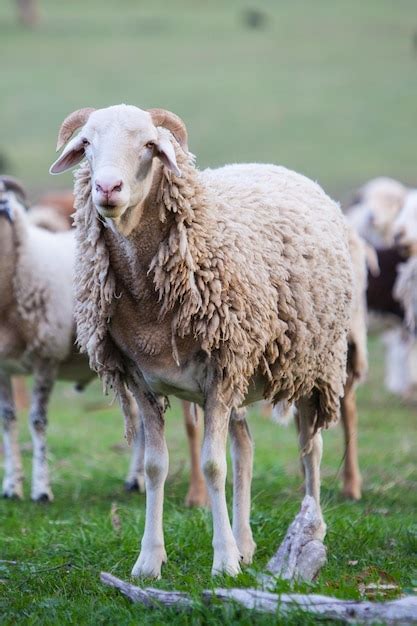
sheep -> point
(36, 331)
(376, 205)
(53, 211)
(380, 204)
(220, 287)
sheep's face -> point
(384, 197)
(120, 143)
(404, 229)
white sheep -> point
(382, 215)
(37, 333)
(377, 204)
(221, 287)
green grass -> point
(61, 548)
(326, 88)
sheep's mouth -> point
(111, 211)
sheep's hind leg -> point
(311, 445)
(352, 480)
(242, 458)
(13, 472)
(197, 492)
(152, 554)
(216, 420)
(302, 553)
(135, 480)
(45, 374)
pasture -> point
(324, 88)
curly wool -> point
(95, 290)
(261, 295)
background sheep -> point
(194, 253)
(380, 203)
(36, 332)
(376, 205)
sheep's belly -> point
(183, 383)
(187, 384)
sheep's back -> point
(283, 242)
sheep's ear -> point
(166, 152)
(73, 154)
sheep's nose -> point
(109, 187)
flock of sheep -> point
(221, 287)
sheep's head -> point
(121, 144)
(404, 230)
(384, 198)
(11, 193)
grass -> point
(61, 548)
(326, 88)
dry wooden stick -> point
(396, 612)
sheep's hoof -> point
(352, 491)
(197, 496)
(135, 484)
(12, 491)
(44, 497)
(149, 563)
(247, 549)
(8, 495)
(227, 562)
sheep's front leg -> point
(152, 554)
(216, 420)
(13, 472)
(44, 375)
(197, 492)
(242, 458)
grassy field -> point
(327, 88)
(60, 548)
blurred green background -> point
(326, 88)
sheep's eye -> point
(85, 142)
(150, 145)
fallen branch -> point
(396, 612)
(148, 597)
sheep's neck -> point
(131, 255)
